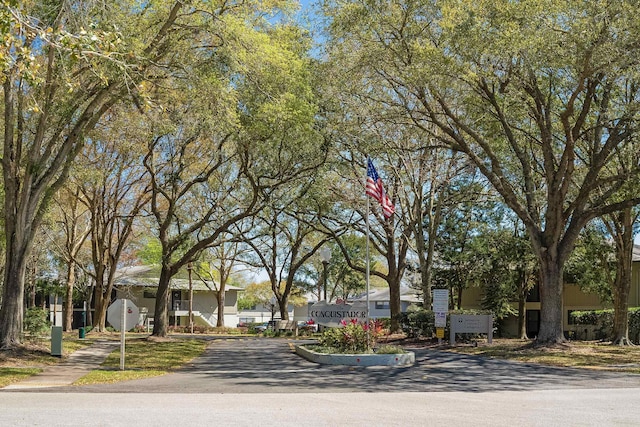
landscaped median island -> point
(354, 344)
(398, 357)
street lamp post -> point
(273, 301)
(325, 256)
(189, 268)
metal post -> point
(84, 314)
(123, 328)
(189, 268)
(368, 266)
(325, 256)
(325, 264)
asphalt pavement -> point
(269, 365)
(262, 382)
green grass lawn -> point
(592, 355)
(13, 375)
(31, 357)
(145, 358)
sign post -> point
(122, 315)
(123, 319)
(440, 310)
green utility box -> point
(56, 341)
(81, 333)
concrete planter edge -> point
(398, 359)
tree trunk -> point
(394, 304)
(622, 287)
(32, 294)
(101, 304)
(283, 302)
(522, 310)
(161, 313)
(68, 302)
(551, 286)
(621, 306)
(11, 313)
(89, 319)
(220, 300)
(459, 297)
(104, 288)
(100, 311)
(425, 260)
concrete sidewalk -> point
(78, 364)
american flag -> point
(375, 189)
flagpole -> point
(367, 263)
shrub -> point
(390, 349)
(351, 338)
(603, 322)
(35, 321)
(385, 322)
(418, 323)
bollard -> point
(56, 341)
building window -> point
(570, 319)
(382, 305)
(534, 294)
(149, 293)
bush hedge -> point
(36, 322)
(602, 321)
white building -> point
(379, 301)
(140, 285)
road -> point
(262, 382)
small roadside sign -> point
(440, 320)
(131, 314)
(441, 300)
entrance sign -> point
(326, 314)
(471, 323)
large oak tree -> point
(231, 129)
(63, 66)
(540, 95)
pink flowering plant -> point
(351, 337)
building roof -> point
(148, 276)
(382, 294)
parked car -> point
(309, 325)
(261, 327)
